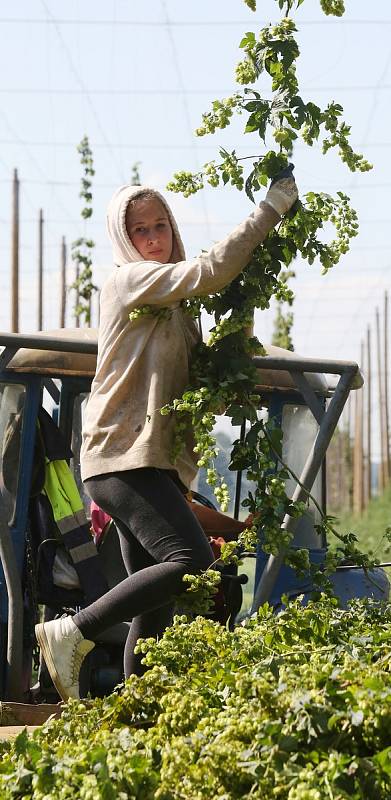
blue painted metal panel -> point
(19, 523)
(18, 529)
(351, 583)
(347, 583)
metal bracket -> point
(309, 395)
(6, 356)
(14, 672)
(53, 390)
(307, 477)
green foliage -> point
(135, 179)
(294, 706)
(318, 227)
(222, 374)
(282, 329)
(283, 321)
(333, 7)
(200, 592)
(82, 247)
(372, 527)
(147, 310)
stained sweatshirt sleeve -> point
(151, 283)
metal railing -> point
(350, 377)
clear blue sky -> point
(136, 78)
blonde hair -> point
(145, 194)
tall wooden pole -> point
(77, 297)
(15, 255)
(381, 482)
(63, 286)
(386, 415)
(340, 468)
(369, 413)
(40, 271)
(348, 455)
(358, 482)
(364, 429)
(98, 308)
(361, 434)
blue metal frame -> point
(33, 400)
(70, 389)
(272, 575)
(33, 386)
(278, 401)
(287, 581)
(348, 582)
(11, 666)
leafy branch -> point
(82, 248)
(223, 375)
(283, 323)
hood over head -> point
(124, 251)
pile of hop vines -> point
(294, 706)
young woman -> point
(143, 363)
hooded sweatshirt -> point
(143, 364)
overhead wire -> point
(173, 91)
(148, 146)
(367, 129)
(185, 106)
(82, 85)
(111, 71)
(323, 186)
(53, 150)
(31, 158)
(183, 23)
(174, 24)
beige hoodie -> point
(144, 364)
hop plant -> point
(334, 7)
(186, 182)
(222, 374)
(293, 706)
(220, 116)
(82, 248)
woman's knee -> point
(193, 561)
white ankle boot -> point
(64, 649)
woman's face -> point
(149, 229)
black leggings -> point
(161, 540)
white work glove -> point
(283, 191)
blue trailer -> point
(54, 370)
